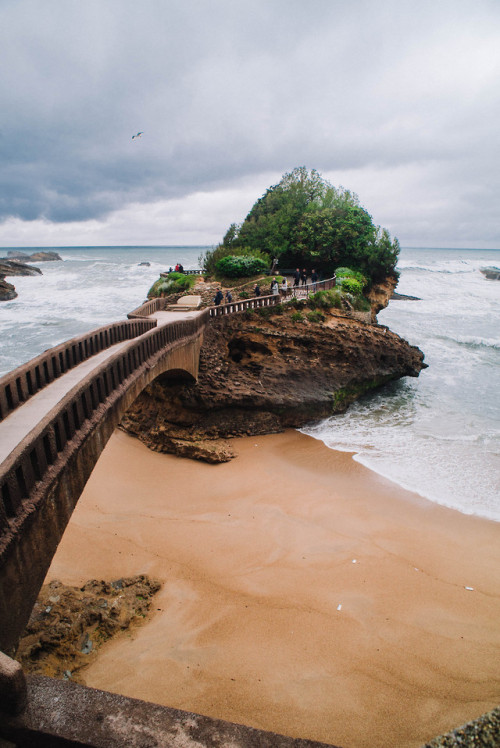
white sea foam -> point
(437, 435)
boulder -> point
(492, 273)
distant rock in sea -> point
(45, 256)
(492, 273)
(13, 267)
(7, 291)
(147, 264)
(404, 297)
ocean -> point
(438, 435)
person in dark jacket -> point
(303, 277)
(296, 277)
(314, 279)
(256, 291)
(218, 297)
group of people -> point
(300, 277)
(219, 296)
(178, 268)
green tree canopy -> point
(305, 221)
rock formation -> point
(263, 372)
(68, 624)
(13, 267)
(43, 256)
(492, 273)
(7, 290)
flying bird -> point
(138, 135)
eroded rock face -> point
(259, 377)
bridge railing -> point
(19, 385)
(149, 307)
(257, 302)
(34, 456)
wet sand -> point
(302, 593)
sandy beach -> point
(302, 593)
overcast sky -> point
(399, 101)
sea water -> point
(438, 434)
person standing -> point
(218, 297)
(296, 277)
(314, 279)
(303, 276)
(274, 287)
(284, 287)
(256, 291)
(229, 297)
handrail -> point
(72, 416)
(233, 307)
(19, 385)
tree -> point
(305, 221)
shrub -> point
(352, 286)
(237, 266)
(209, 260)
(315, 316)
(173, 283)
(325, 299)
(248, 313)
(244, 295)
(264, 311)
(297, 317)
(342, 273)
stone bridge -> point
(57, 413)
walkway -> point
(18, 424)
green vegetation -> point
(342, 273)
(240, 266)
(297, 317)
(305, 221)
(326, 299)
(315, 316)
(210, 259)
(174, 283)
(352, 286)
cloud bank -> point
(395, 100)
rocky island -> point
(282, 366)
(260, 374)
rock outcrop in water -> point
(261, 374)
(492, 273)
(13, 267)
(42, 256)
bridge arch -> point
(44, 476)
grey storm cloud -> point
(229, 89)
